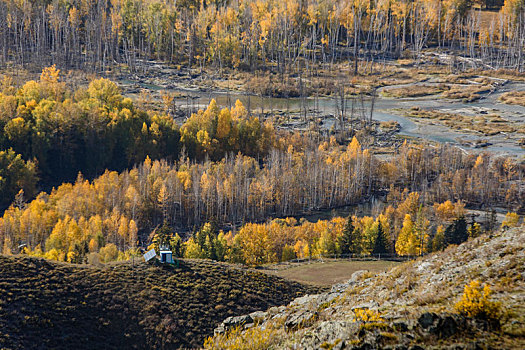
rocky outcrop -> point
(412, 306)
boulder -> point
(442, 326)
(447, 326)
(326, 299)
(427, 320)
(258, 316)
(306, 299)
(232, 322)
(300, 319)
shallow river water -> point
(385, 109)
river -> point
(385, 109)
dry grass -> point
(389, 125)
(514, 98)
(456, 87)
(502, 73)
(488, 125)
(414, 91)
(331, 272)
(434, 283)
(468, 93)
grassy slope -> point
(45, 304)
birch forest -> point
(258, 131)
(294, 36)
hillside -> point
(409, 307)
(44, 304)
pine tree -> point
(163, 236)
(206, 239)
(461, 230)
(381, 245)
(345, 240)
(491, 221)
(356, 247)
(438, 242)
(221, 247)
(456, 232)
(176, 246)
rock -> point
(339, 346)
(258, 316)
(326, 299)
(340, 287)
(446, 327)
(441, 326)
(424, 266)
(400, 347)
(329, 332)
(400, 326)
(372, 305)
(300, 319)
(356, 276)
(306, 299)
(274, 310)
(384, 339)
(482, 325)
(232, 322)
(427, 319)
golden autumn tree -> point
(407, 242)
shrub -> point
(239, 339)
(108, 253)
(511, 220)
(476, 302)
(366, 315)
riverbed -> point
(384, 109)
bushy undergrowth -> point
(123, 306)
(475, 302)
(366, 315)
(237, 339)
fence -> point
(352, 257)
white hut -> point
(166, 255)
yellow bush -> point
(253, 338)
(366, 315)
(109, 253)
(476, 302)
(511, 220)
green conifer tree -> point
(456, 232)
(345, 240)
(356, 248)
(381, 245)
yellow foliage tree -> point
(108, 253)
(407, 242)
(511, 220)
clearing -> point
(328, 272)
